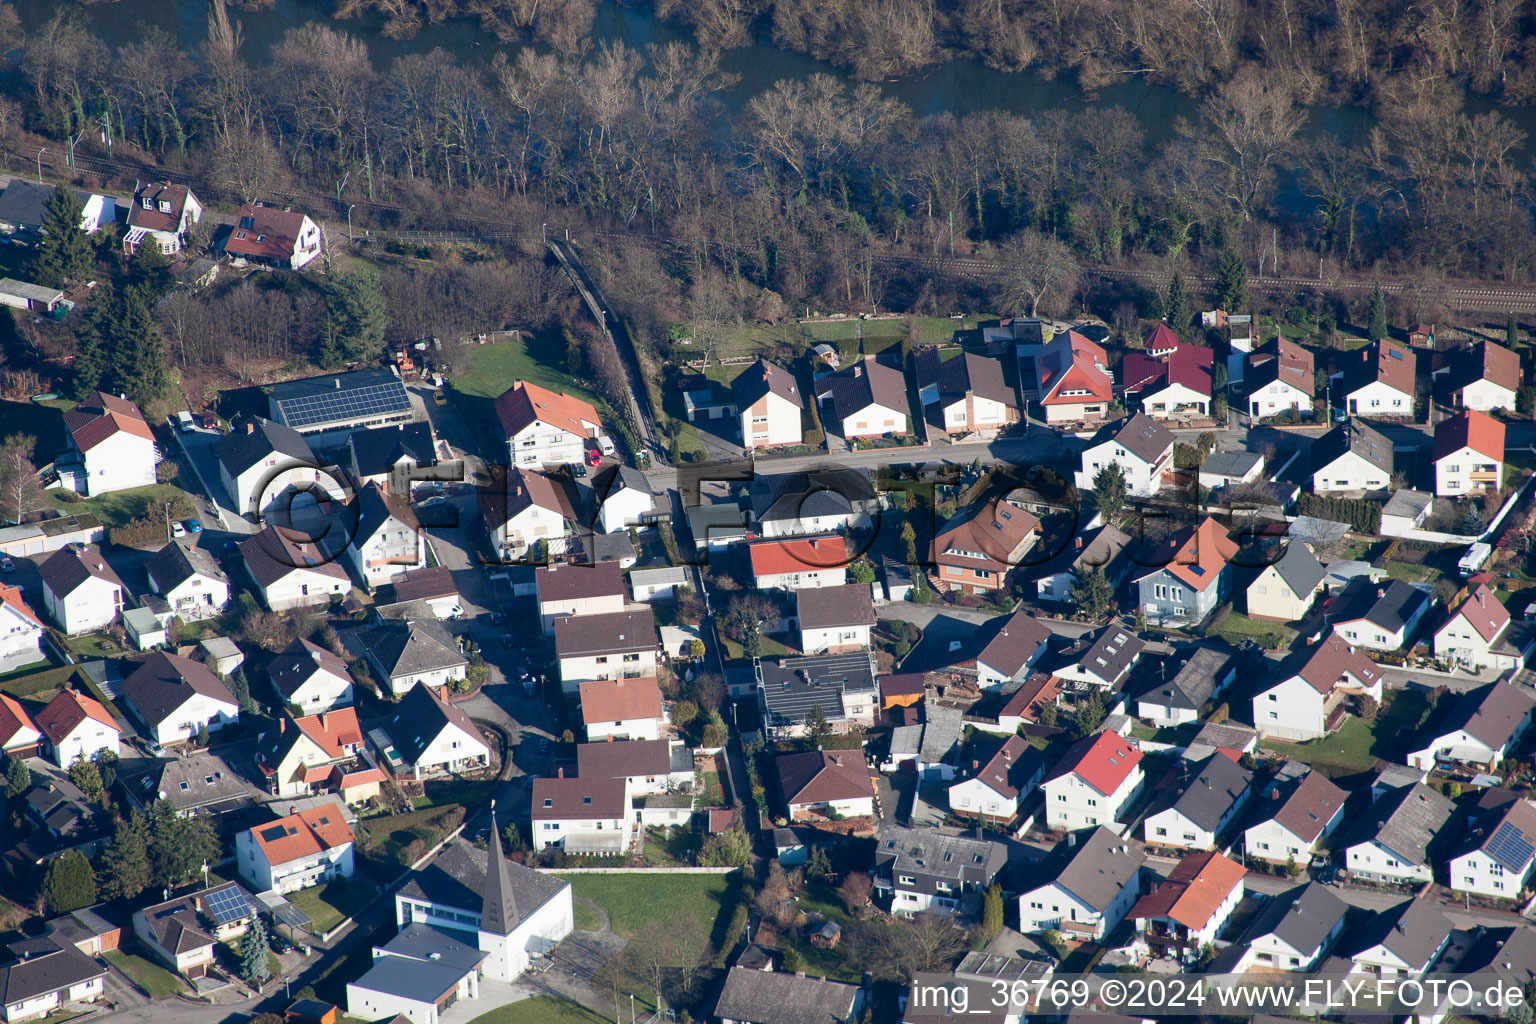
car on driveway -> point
(194, 526)
(6, 565)
(177, 530)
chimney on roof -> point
(250, 427)
(1071, 839)
(337, 381)
(559, 773)
(282, 726)
(1380, 593)
(316, 655)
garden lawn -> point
(328, 905)
(118, 507)
(150, 978)
(541, 1010)
(491, 369)
(634, 901)
(1357, 743)
(33, 683)
(1269, 635)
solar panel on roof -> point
(374, 400)
(1510, 847)
(227, 905)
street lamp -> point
(631, 1008)
(40, 153)
(349, 221)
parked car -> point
(6, 565)
(439, 398)
(177, 530)
(594, 457)
(194, 526)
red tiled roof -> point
(1027, 701)
(803, 554)
(993, 530)
(1325, 663)
(1162, 337)
(578, 799)
(265, 232)
(1103, 761)
(94, 420)
(822, 776)
(333, 731)
(303, 834)
(526, 403)
(1386, 362)
(1189, 365)
(620, 700)
(1470, 429)
(1068, 364)
(13, 718)
(1483, 611)
(153, 219)
(1194, 889)
(67, 710)
(12, 596)
(1203, 555)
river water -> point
(959, 86)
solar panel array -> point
(1510, 847)
(345, 404)
(227, 904)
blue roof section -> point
(421, 980)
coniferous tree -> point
(18, 777)
(64, 253)
(1511, 331)
(355, 319)
(178, 847)
(253, 954)
(139, 368)
(1092, 595)
(1232, 283)
(1177, 310)
(94, 335)
(1378, 324)
(1110, 490)
(992, 912)
(151, 270)
(69, 884)
(125, 867)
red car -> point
(594, 457)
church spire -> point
(498, 909)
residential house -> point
(310, 677)
(658, 586)
(296, 852)
(1279, 377)
(46, 977)
(1094, 782)
(92, 930)
(265, 465)
(768, 997)
(624, 497)
(1484, 377)
(1197, 578)
(923, 870)
(996, 792)
(1230, 469)
(195, 784)
(1074, 380)
(1497, 858)
(190, 580)
(80, 590)
(388, 540)
(56, 817)
(21, 631)
(1382, 617)
(1498, 959)
(416, 977)
(1192, 819)
(161, 215)
(1482, 728)
(1285, 589)
(705, 401)
(1141, 447)
(621, 708)
(967, 390)
(769, 405)
(1379, 381)
(867, 399)
(618, 645)
(938, 751)
(814, 503)
(182, 932)
(974, 551)
(406, 653)
(1294, 931)
(819, 783)
(1012, 652)
(1392, 843)
(111, 447)
(19, 735)
(581, 815)
(273, 238)
(515, 914)
(318, 754)
(1311, 687)
(1023, 707)
(650, 767)
(1403, 941)
(1351, 457)
(24, 204)
(331, 406)
(1187, 911)
(1201, 679)
(1094, 877)
(431, 737)
(176, 699)
(1468, 454)
(76, 727)
(842, 685)
(578, 590)
(799, 563)
(1479, 633)
(716, 527)
(1105, 549)
(1105, 665)
(833, 620)
(430, 589)
(1299, 811)
(545, 428)
(1171, 386)
(292, 571)
(394, 457)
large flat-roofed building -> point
(339, 402)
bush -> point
(167, 472)
(1363, 516)
(67, 496)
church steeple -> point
(498, 909)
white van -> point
(605, 444)
(1476, 557)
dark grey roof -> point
(1406, 821)
(767, 997)
(721, 521)
(1299, 568)
(633, 629)
(423, 981)
(962, 858)
(1143, 437)
(1388, 604)
(1094, 865)
(825, 492)
(1195, 681)
(405, 647)
(848, 604)
(277, 551)
(185, 783)
(456, 878)
(762, 378)
(24, 203)
(377, 450)
(1112, 654)
(419, 942)
(1015, 642)
(1413, 931)
(865, 383)
(419, 719)
(617, 479)
(559, 582)
(45, 973)
(1506, 954)
(1220, 783)
(340, 397)
(1301, 917)
(1235, 464)
(241, 449)
(1490, 714)
(178, 562)
(790, 686)
(1371, 445)
(164, 682)
(67, 569)
(962, 374)
(297, 663)
(375, 508)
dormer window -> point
(149, 204)
(165, 206)
(549, 803)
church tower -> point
(498, 913)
